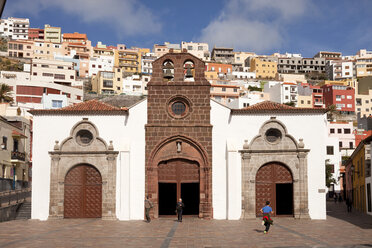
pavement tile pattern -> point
(341, 229)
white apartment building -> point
(251, 98)
(282, 92)
(101, 63)
(54, 101)
(15, 28)
(34, 94)
(147, 59)
(200, 50)
(340, 69)
(333, 158)
(344, 131)
(242, 75)
(133, 85)
(54, 71)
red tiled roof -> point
(16, 133)
(273, 107)
(89, 107)
(74, 36)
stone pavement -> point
(341, 229)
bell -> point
(168, 74)
(168, 66)
(188, 73)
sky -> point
(260, 26)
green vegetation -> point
(254, 88)
(3, 44)
(5, 93)
(292, 104)
(8, 64)
(329, 179)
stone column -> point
(304, 209)
(248, 202)
(109, 199)
(54, 208)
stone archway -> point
(273, 144)
(83, 192)
(82, 149)
(180, 160)
(274, 183)
(178, 178)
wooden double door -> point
(274, 183)
(177, 179)
(83, 193)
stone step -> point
(24, 211)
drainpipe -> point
(14, 172)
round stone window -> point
(273, 135)
(178, 108)
(84, 137)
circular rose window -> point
(273, 135)
(84, 137)
(178, 107)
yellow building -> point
(108, 82)
(358, 178)
(264, 68)
(129, 60)
(305, 101)
(364, 67)
(211, 75)
(363, 96)
(346, 82)
(52, 34)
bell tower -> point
(179, 136)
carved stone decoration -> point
(276, 150)
(95, 163)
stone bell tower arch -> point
(178, 129)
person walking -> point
(148, 207)
(349, 204)
(179, 208)
(266, 211)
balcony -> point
(318, 104)
(20, 156)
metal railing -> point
(14, 196)
(18, 155)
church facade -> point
(94, 160)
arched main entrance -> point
(83, 193)
(274, 183)
(178, 178)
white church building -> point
(95, 160)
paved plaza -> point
(341, 229)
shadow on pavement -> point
(339, 210)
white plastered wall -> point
(128, 136)
(310, 127)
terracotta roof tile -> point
(74, 36)
(273, 107)
(89, 107)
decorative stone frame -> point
(191, 150)
(69, 154)
(179, 98)
(288, 152)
